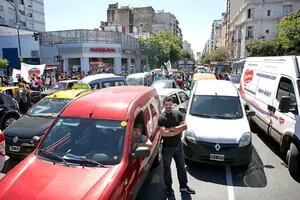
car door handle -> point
(271, 108)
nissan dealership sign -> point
(103, 50)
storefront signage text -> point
(103, 50)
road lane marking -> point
(230, 190)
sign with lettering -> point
(103, 50)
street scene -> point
(149, 101)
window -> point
(287, 9)
(153, 111)
(29, 14)
(286, 88)
(269, 13)
(1, 8)
(95, 85)
(249, 32)
(183, 97)
(21, 2)
(175, 99)
(250, 13)
(267, 31)
(22, 12)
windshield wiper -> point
(47, 152)
(202, 115)
(90, 161)
(223, 117)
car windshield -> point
(135, 81)
(48, 107)
(235, 79)
(220, 107)
(77, 140)
(60, 85)
(162, 84)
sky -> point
(195, 16)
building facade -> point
(140, 21)
(90, 50)
(216, 34)
(251, 20)
(30, 15)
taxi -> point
(12, 91)
(35, 122)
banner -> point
(28, 71)
(15, 74)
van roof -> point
(91, 78)
(109, 103)
(215, 87)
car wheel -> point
(158, 157)
(9, 120)
(293, 159)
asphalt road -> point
(267, 177)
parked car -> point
(12, 91)
(180, 98)
(9, 110)
(2, 151)
(143, 79)
(19, 136)
(91, 147)
(99, 81)
(218, 129)
(165, 84)
(270, 86)
(61, 85)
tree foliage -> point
(159, 48)
(219, 55)
(3, 63)
(184, 54)
(287, 41)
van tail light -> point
(2, 144)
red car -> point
(90, 150)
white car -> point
(2, 151)
(218, 129)
(180, 98)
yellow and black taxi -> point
(19, 136)
(12, 91)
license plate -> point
(217, 157)
(14, 148)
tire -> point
(293, 159)
(158, 157)
(8, 120)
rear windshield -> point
(221, 107)
(48, 107)
(135, 81)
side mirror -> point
(36, 140)
(285, 104)
(141, 152)
(250, 113)
(183, 110)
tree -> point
(3, 63)
(264, 48)
(221, 54)
(159, 48)
(289, 33)
(184, 54)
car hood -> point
(217, 130)
(28, 181)
(28, 126)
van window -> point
(138, 130)
(95, 85)
(153, 111)
(286, 88)
(183, 97)
(119, 83)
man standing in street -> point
(172, 124)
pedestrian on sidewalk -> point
(171, 123)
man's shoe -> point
(170, 191)
(188, 190)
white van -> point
(270, 87)
(218, 129)
(143, 79)
(99, 81)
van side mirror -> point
(36, 140)
(183, 110)
(141, 152)
(285, 104)
(250, 113)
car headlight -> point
(190, 136)
(245, 139)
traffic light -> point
(36, 36)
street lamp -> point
(18, 26)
